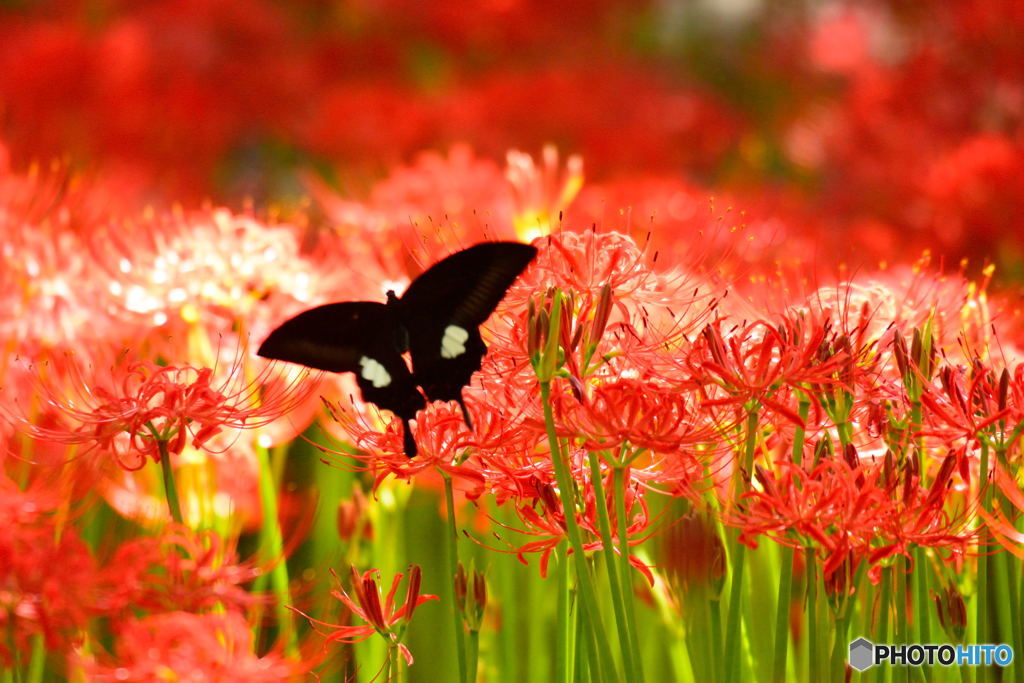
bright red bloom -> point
(142, 408)
(541, 515)
(388, 619)
(51, 584)
(185, 646)
(837, 508)
(180, 570)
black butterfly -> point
(437, 320)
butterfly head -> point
(392, 297)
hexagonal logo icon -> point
(862, 654)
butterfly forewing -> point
(444, 307)
(437, 320)
(332, 337)
(465, 288)
(357, 336)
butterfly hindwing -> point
(356, 336)
(437, 320)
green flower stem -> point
(584, 664)
(626, 569)
(883, 618)
(171, 491)
(902, 579)
(698, 634)
(981, 631)
(782, 614)
(452, 555)
(608, 552)
(585, 582)
(564, 649)
(840, 647)
(922, 602)
(738, 559)
(472, 654)
(272, 544)
(786, 572)
(1002, 586)
(813, 636)
(392, 669)
(507, 581)
(37, 663)
(716, 637)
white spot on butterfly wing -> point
(373, 372)
(453, 343)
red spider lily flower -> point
(643, 414)
(839, 507)
(52, 299)
(587, 261)
(441, 434)
(51, 583)
(388, 619)
(542, 516)
(542, 192)
(180, 570)
(999, 522)
(922, 514)
(142, 409)
(183, 646)
(967, 407)
(754, 363)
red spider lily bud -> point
(695, 555)
(714, 341)
(844, 347)
(471, 602)
(922, 352)
(537, 326)
(550, 500)
(937, 491)
(952, 611)
(821, 448)
(479, 594)
(577, 335)
(601, 315)
(565, 331)
(853, 460)
(1004, 388)
(577, 387)
(839, 584)
(412, 593)
(909, 479)
(889, 471)
(899, 347)
(460, 587)
(352, 519)
(765, 480)
(548, 361)
(915, 348)
(850, 456)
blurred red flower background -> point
(780, 257)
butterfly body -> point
(436, 320)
